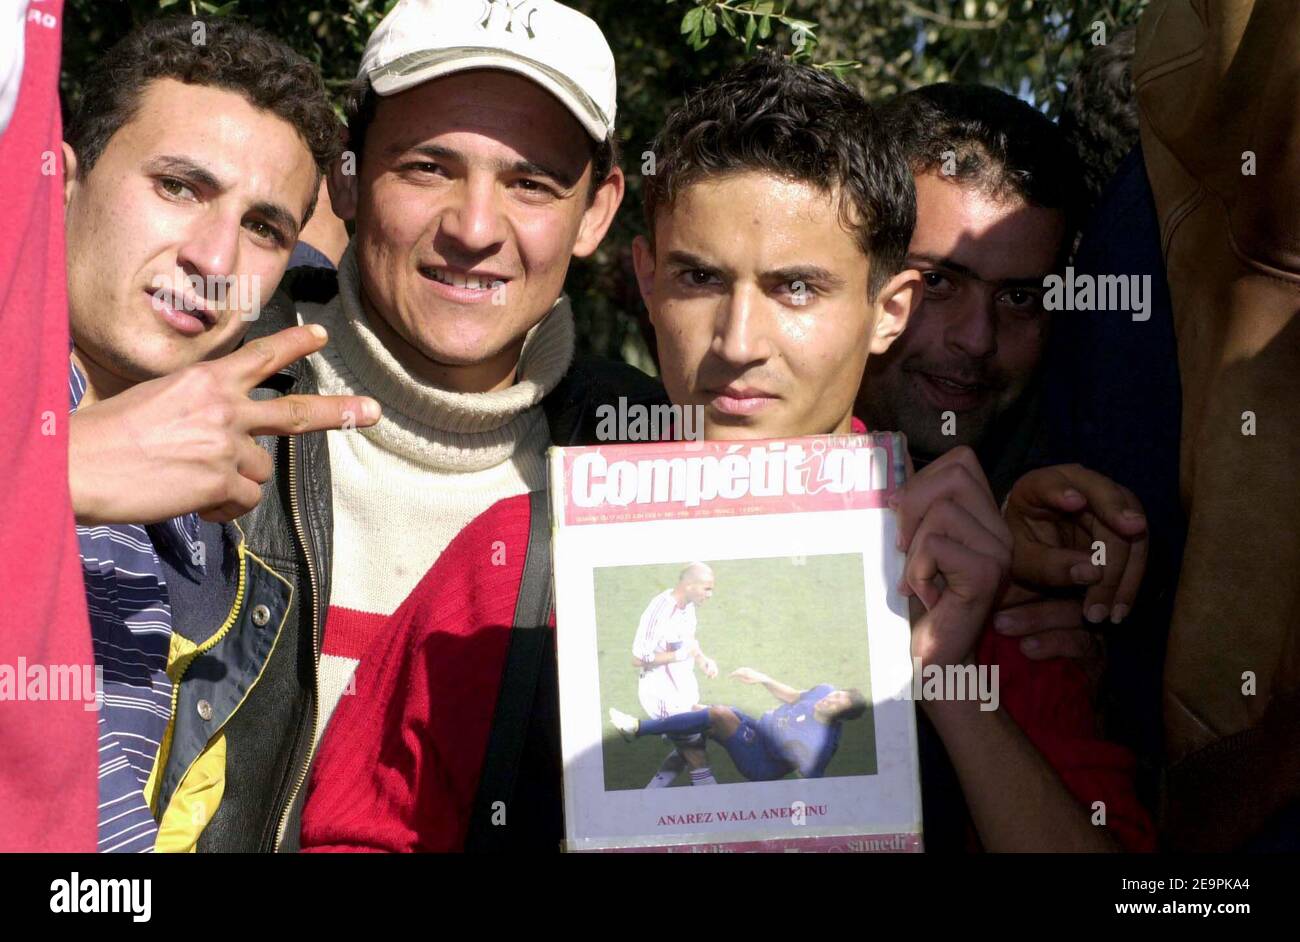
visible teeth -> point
(460, 281)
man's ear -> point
(897, 300)
(643, 260)
(342, 184)
(600, 214)
(69, 174)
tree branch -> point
(943, 19)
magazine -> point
(734, 655)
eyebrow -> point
(529, 168)
(948, 264)
(277, 215)
(687, 260)
(807, 273)
(804, 273)
(184, 167)
(197, 173)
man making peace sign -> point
(190, 169)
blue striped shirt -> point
(131, 629)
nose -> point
(972, 325)
(740, 331)
(473, 216)
(211, 247)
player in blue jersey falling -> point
(801, 735)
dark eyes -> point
(528, 185)
(696, 278)
(175, 188)
(1019, 298)
(941, 286)
(535, 186)
(267, 233)
(799, 289)
(790, 292)
(936, 282)
(422, 166)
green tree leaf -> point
(728, 21)
(691, 21)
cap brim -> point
(420, 67)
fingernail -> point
(318, 331)
(898, 539)
(1070, 494)
(1083, 573)
(369, 410)
(892, 501)
(1097, 614)
(1003, 622)
(1029, 645)
(1117, 614)
(1133, 515)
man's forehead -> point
(998, 239)
(485, 108)
(762, 221)
(236, 144)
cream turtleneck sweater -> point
(437, 459)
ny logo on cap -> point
(511, 11)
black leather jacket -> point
(270, 737)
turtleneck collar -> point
(434, 427)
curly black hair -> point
(798, 123)
(231, 55)
(1100, 113)
(980, 136)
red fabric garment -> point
(48, 773)
(399, 765)
(1052, 703)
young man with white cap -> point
(480, 161)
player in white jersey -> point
(666, 651)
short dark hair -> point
(980, 136)
(359, 113)
(857, 706)
(1099, 117)
(798, 123)
(233, 56)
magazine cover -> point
(734, 655)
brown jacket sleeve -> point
(1218, 86)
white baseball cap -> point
(557, 47)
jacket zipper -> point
(315, 639)
(199, 650)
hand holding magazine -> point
(734, 654)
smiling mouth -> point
(954, 386)
(455, 279)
